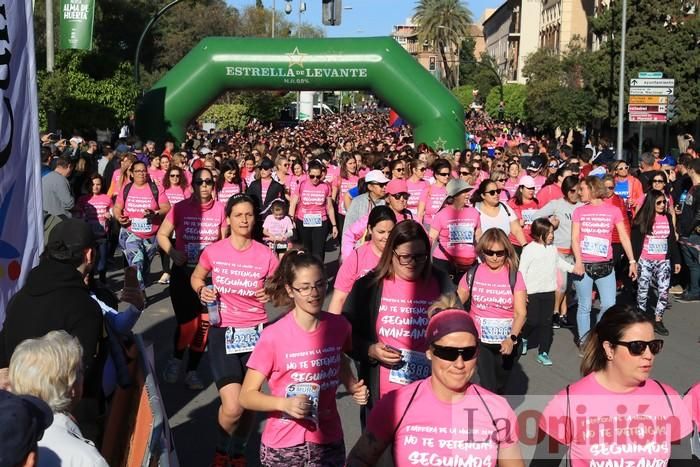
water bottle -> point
(213, 310)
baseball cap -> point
(376, 176)
(527, 181)
(396, 186)
(23, 420)
(204, 151)
(535, 164)
(598, 172)
(266, 163)
(69, 237)
(668, 160)
(456, 186)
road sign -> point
(646, 108)
(649, 100)
(652, 82)
(647, 117)
(666, 91)
(650, 74)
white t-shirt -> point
(501, 221)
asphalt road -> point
(192, 414)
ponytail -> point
(292, 261)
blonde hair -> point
(493, 236)
(444, 302)
(49, 368)
(596, 185)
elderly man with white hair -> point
(50, 368)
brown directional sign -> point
(648, 100)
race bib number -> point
(495, 330)
(312, 392)
(414, 366)
(657, 246)
(241, 340)
(312, 220)
(193, 251)
(141, 225)
(528, 216)
(461, 233)
(595, 246)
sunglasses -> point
(453, 353)
(401, 196)
(443, 174)
(421, 169)
(637, 348)
(553, 166)
(400, 169)
(622, 168)
(464, 174)
(658, 181)
(315, 177)
(493, 192)
(174, 175)
(661, 202)
(501, 180)
(405, 260)
(496, 253)
(204, 181)
(610, 188)
(573, 190)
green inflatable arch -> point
(379, 65)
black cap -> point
(70, 236)
(266, 163)
(23, 420)
(536, 163)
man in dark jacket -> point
(55, 297)
(689, 230)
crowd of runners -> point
(451, 265)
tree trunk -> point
(446, 66)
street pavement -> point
(192, 414)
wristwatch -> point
(514, 338)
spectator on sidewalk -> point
(23, 421)
(55, 189)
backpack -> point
(151, 185)
(471, 273)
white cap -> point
(204, 151)
(527, 181)
(376, 176)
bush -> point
(233, 116)
(464, 94)
(514, 96)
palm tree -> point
(440, 23)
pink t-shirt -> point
(456, 234)
(140, 199)
(434, 432)
(511, 185)
(156, 176)
(297, 361)
(539, 182)
(549, 193)
(345, 184)
(692, 402)
(278, 227)
(264, 186)
(625, 427)
(237, 275)
(176, 194)
(597, 224)
(433, 196)
(332, 173)
(196, 226)
(228, 190)
(358, 263)
(492, 302)
(415, 189)
(655, 245)
(94, 209)
(312, 200)
(293, 183)
(526, 213)
(402, 323)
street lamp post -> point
(621, 85)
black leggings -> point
(494, 369)
(538, 326)
(313, 239)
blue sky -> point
(366, 18)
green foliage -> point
(480, 74)
(226, 116)
(464, 94)
(514, 97)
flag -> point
(395, 121)
(21, 226)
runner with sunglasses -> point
(616, 413)
(494, 213)
(656, 249)
(387, 309)
(239, 267)
(524, 204)
(418, 423)
(627, 187)
(196, 222)
(416, 184)
(314, 213)
(494, 294)
(433, 196)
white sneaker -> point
(193, 382)
(172, 370)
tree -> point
(514, 97)
(661, 36)
(442, 23)
(464, 94)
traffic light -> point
(331, 10)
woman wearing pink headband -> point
(419, 419)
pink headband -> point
(448, 321)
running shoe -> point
(676, 289)
(544, 359)
(687, 298)
(660, 329)
(565, 323)
(220, 460)
(193, 382)
(523, 351)
(555, 321)
(172, 370)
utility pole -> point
(621, 85)
(273, 19)
(51, 115)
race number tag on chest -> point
(313, 220)
(461, 233)
(414, 366)
(495, 330)
(595, 246)
(241, 340)
(193, 251)
(141, 225)
(311, 391)
(657, 246)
